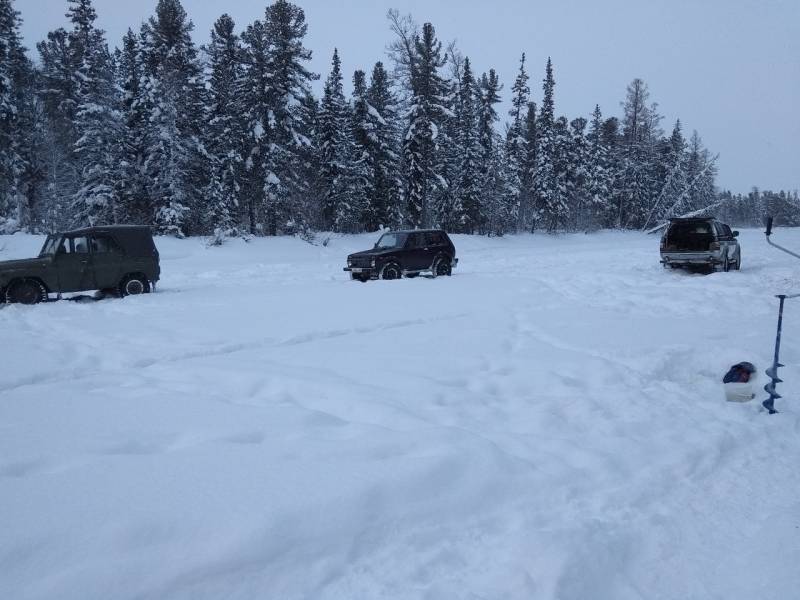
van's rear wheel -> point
(26, 291)
(133, 285)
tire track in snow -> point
(222, 350)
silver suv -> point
(700, 242)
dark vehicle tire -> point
(726, 266)
(738, 264)
(391, 271)
(26, 291)
(133, 285)
(359, 277)
(442, 267)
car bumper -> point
(691, 258)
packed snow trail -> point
(548, 423)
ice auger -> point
(772, 372)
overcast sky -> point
(728, 68)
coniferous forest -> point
(228, 139)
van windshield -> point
(50, 245)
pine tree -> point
(224, 136)
(577, 176)
(310, 189)
(426, 117)
(700, 175)
(599, 178)
(496, 215)
(639, 179)
(552, 210)
(172, 92)
(275, 83)
(336, 147)
(515, 149)
(467, 213)
(386, 189)
(98, 121)
(15, 119)
(134, 202)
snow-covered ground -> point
(548, 423)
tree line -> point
(228, 139)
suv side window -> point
(104, 244)
(434, 238)
(727, 230)
(415, 240)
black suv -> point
(408, 253)
(121, 259)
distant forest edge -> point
(228, 139)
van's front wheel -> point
(133, 285)
(26, 291)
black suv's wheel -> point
(26, 291)
(359, 277)
(738, 264)
(133, 285)
(442, 267)
(391, 271)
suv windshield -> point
(392, 240)
(50, 245)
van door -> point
(73, 264)
(106, 261)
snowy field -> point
(549, 423)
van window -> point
(104, 244)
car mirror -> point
(735, 234)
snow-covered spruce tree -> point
(173, 95)
(362, 161)
(223, 135)
(134, 204)
(577, 176)
(516, 197)
(670, 174)
(275, 82)
(528, 169)
(16, 112)
(98, 122)
(552, 210)
(598, 175)
(638, 185)
(385, 200)
(612, 143)
(336, 146)
(58, 83)
(700, 175)
(496, 215)
(467, 216)
(426, 116)
(309, 191)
